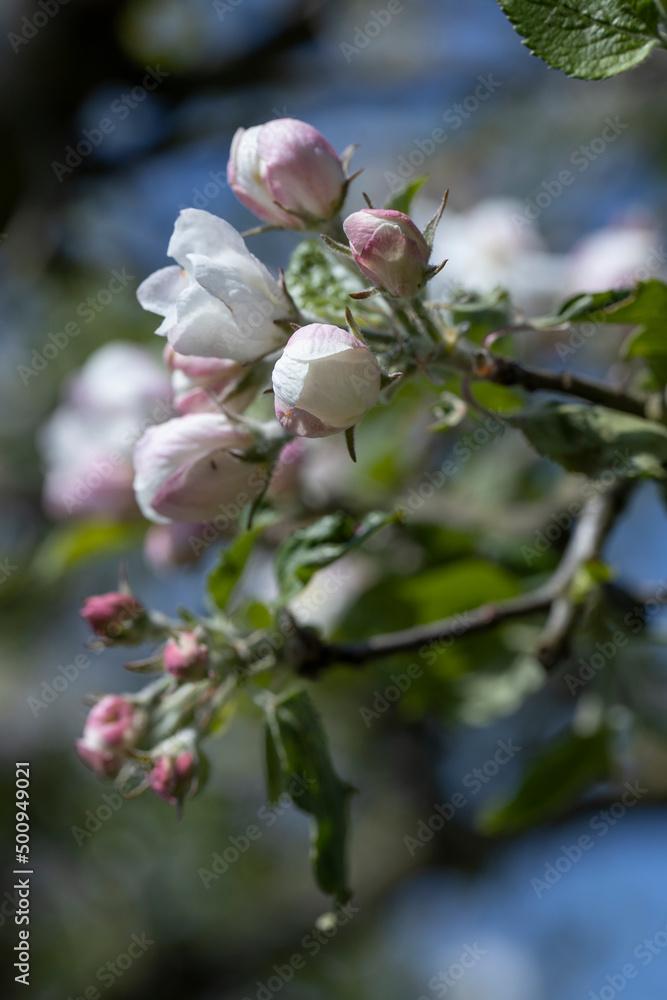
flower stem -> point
(426, 320)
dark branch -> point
(313, 655)
(507, 372)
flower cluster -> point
(234, 332)
(229, 322)
(120, 736)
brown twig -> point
(585, 544)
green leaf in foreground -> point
(590, 39)
(594, 439)
(298, 762)
(321, 543)
(233, 559)
(568, 766)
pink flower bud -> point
(200, 383)
(112, 727)
(284, 167)
(115, 617)
(188, 469)
(389, 249)
(186, 657)
(324, 382)
(173, 777)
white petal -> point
(168, 447)
(203, 233)
(230, 271)
(319, 340)
(288, 379)
(339, 390)
(159, 291)
(203, 325)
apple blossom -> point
(220, 301)
(199, 384)
(87, 441)
(188, 469)
(286, 172)
(115, 617)
(173, 777)
(389, 249)
(324, 382)
(112, 727)
(186, 656)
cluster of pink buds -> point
(112, 728)
(120, 728)
(185, 657)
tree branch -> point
(311, 655)
(507, 372)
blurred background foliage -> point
(241, 63)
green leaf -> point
(71, 544)
(590, 39)
(226, 575)
(481, 313)
(584, 307)
(443, 590)
(647, 307)
(593, 439)
(298, 762)
(588, 578)
(321, 282)
(401, 200)
(565, 768)
(322, 543)
(274, 779)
